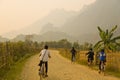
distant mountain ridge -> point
(48, 36)
(56, 17)
(49, 27)
(80, 26)
(103, 13)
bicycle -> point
(90, 62)
(42, 73)
(102, 67)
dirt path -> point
(61, 69)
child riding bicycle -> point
(44, 56)
(90, 56)
(102, 57)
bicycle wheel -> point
(42, 72)
(102, 67)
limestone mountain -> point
(79, 26)
(56, 17)
(104, 13)
(48, 36)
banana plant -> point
(108, 41)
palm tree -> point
(108, 42)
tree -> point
(108, 41)
(76, 45)
(64, 43)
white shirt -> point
(44, 55)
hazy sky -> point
(16, 14)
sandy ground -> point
(60, 69)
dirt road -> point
(61, 69)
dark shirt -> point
(73, 51)
(90, 54)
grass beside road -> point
(82, 59)
(16, 69)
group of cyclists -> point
(45, 55)
(101, 56)
(90, 55)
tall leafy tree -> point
(108, 41)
